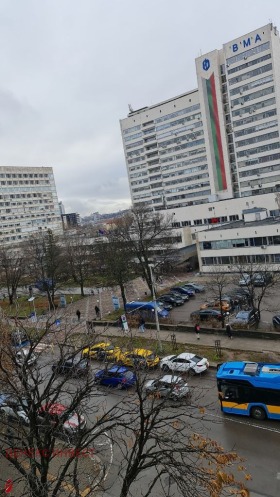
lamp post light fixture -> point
(32, 299)
(155, 304)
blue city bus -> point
(249, 389)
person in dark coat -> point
(141, 324)
(78, 313)
(229, 331)
(97, 312)
(197, 330)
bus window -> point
(231, 393)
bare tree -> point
(217, 286)
(116, 259)
(258, 280)
(147, 439)
(150, 237)
(46, 262)
(79, 258)
(12, 262)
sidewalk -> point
(237, 343)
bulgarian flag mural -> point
(209, 88)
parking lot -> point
(269, 307)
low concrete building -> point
(253, 240)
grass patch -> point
(23, 308)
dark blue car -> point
(183, 290)
(116, 376)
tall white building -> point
(218, 142)
(28, 202)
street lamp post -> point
(155, 304)
(32, 299)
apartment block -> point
(217, 143)
(28, 203)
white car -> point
(184, 362)
(23, 356)
(173, 387)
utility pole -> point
(155, 304)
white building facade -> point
(28, 203)
(216, 147)
(255, 240)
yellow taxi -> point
(101, 351)
(138, 358)
(226, 307)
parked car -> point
(206, 314)
(262, 279)
(184, 362)
(185, 291)
(276, 322)
(171, 299)
(165, 305)
(100, 351)
(245, 279)
(16, 410)
(245, 318)
(25, 357)
(116, 376)
(173, 387)
(73, 366)
(139, 358)
(216, 304)
(182, 296)
(13, 408)
(195, 287)
(54, 414)
(20, 339)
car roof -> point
(3, 398)
(54, 408)
(170, 378)
(143, 352)
(185, 355)
(119, 369)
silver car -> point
(25, 357)
(170, 386)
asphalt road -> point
(257, 442)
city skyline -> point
(69, 73)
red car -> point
(52, 413)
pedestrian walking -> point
(229, 331)
(141, 324)
(78, 313)
(197, 330)
(97, 312)
(120, 323)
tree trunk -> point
(11, 298)
(123, 294)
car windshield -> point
(196, 358)
(242, 315)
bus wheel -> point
(258, 413)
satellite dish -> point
(130, 108)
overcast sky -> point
(70, 68)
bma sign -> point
(246, 43)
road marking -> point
(260, 427)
